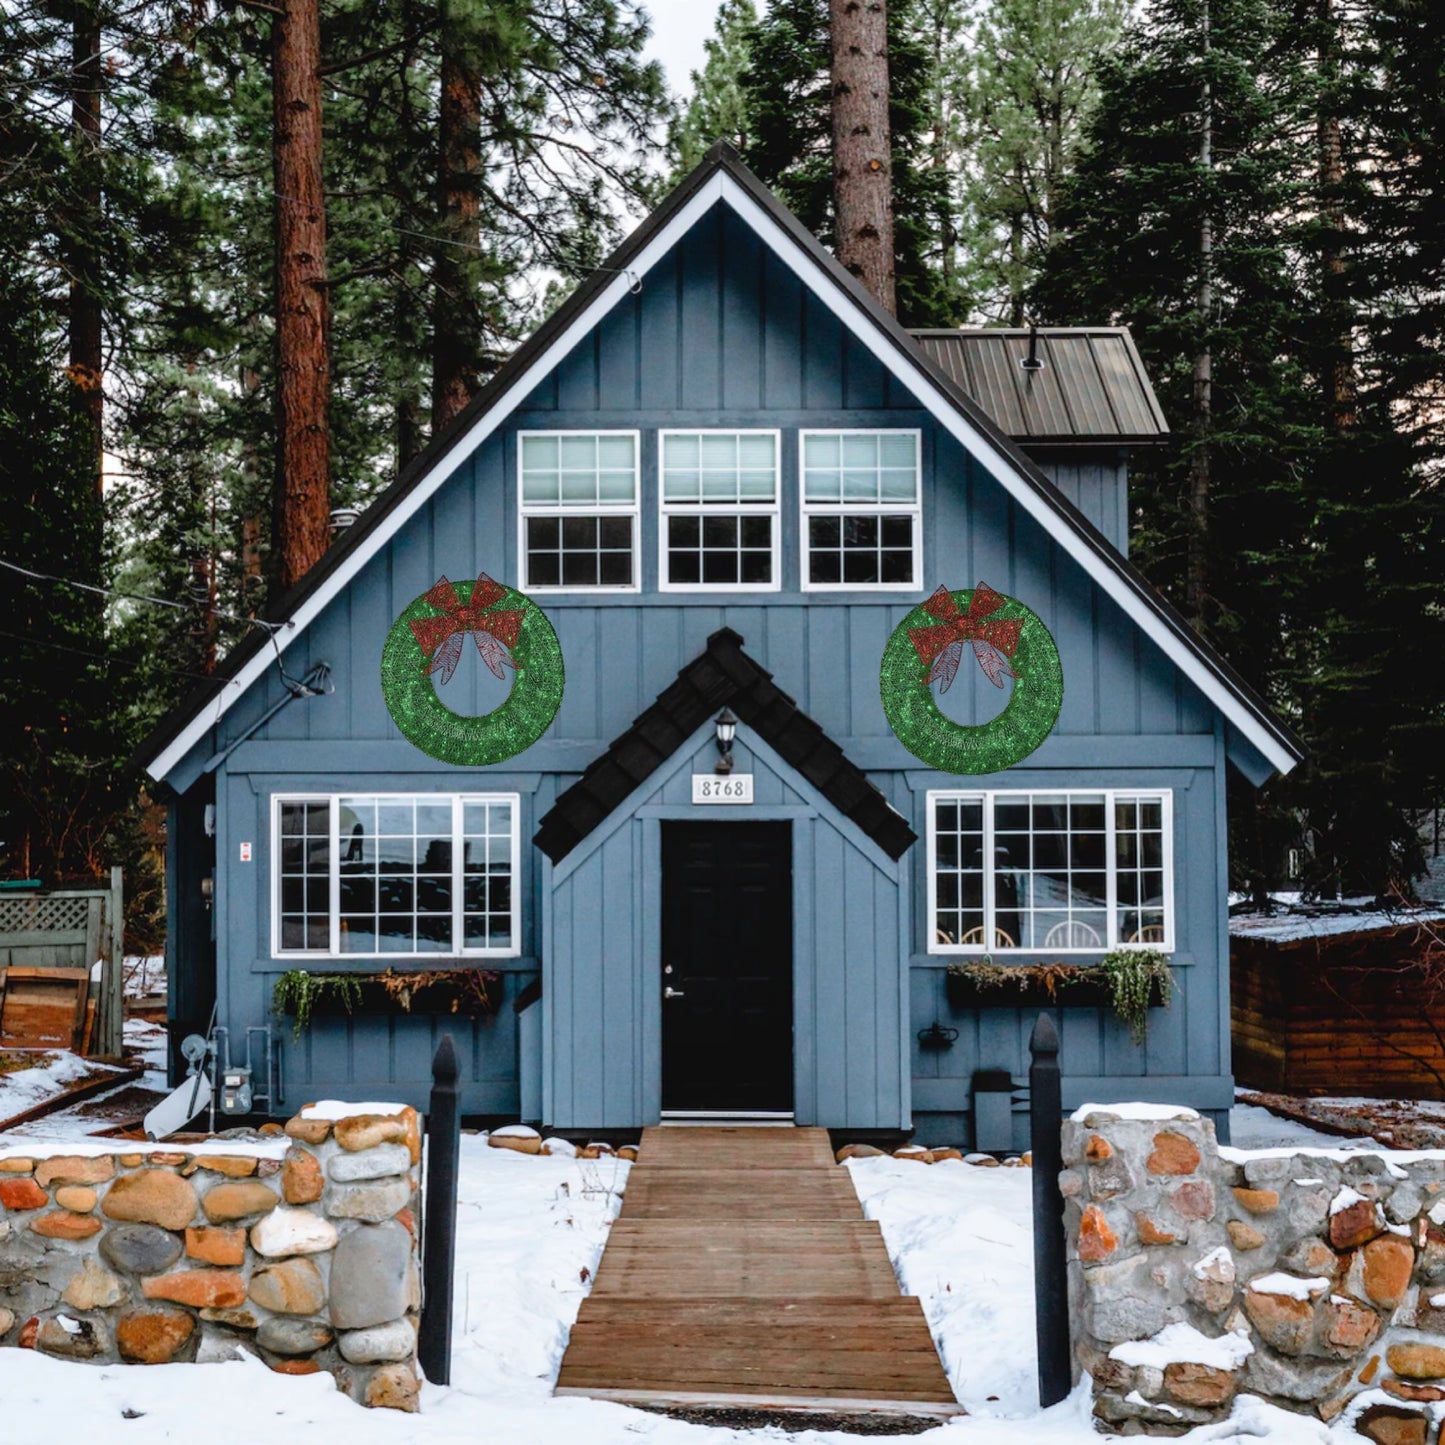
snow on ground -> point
(48, 1075)
(1251, 1127)
(143, 976)
(530, 1233)
(145, 1045)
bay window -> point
(1056, 872)
(390, 875)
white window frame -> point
(841, 508)
(458, 802)
(591, 509)
(1111, 796)
(666, 510)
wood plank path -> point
(742, 1274)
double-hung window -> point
(719, 493)
(395, 874)
(578, 509)
(1059, 872)
(861, 509)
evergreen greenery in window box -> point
(299, 993)
(1129, 980)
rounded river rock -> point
(369, 1276)
(140, 1248)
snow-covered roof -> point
(1295, 925)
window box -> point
(470, 992)
(1130, 981)
(1072, 987)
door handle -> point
(671, 992)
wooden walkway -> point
(742, 1274)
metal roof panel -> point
(1092, 388)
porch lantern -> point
(726, 726)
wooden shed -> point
(728, 483)
(1340, 1001)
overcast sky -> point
(679, 28)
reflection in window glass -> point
(413, 875)
(1049, 871)
(860, 494)
(719, 495)
(579, 509)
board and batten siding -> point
(722, 335)
(602, 939)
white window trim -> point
(400, 960)
(1163, 796)
(808, 509)
(632, 509)
(721, 509)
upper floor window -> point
(1060, 872)
(578, 509)
(373, 875)
(861, 509)
(719, 494)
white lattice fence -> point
(46, 913)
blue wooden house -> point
(727, 481)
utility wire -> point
(271, 627)
(130, 662)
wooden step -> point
(734, 1147)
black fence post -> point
(439, 1237)
(1051, 1284)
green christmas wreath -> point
(510, 631)
(1007, 640)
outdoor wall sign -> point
(510, 631)
(932, 643)
(722, 788)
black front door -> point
(727, 967)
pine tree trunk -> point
(1338, 370)
(303, 366)
(862, 145)
(81, 259)
(1197, 580)
(456, 342)
(1016, 262)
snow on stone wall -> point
(300, 1249)
(1315, 1278)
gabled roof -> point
(723, 178)
(722, 675)
(1089, 389)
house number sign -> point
(722, 788)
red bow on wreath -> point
(993, 638)
(494, 632)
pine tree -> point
(1297, 518)
(303, 347)
(787, 85)
(718, 108)
(861, 145)
(1018, 86)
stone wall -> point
(297, 1246)
(1314, 1279)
